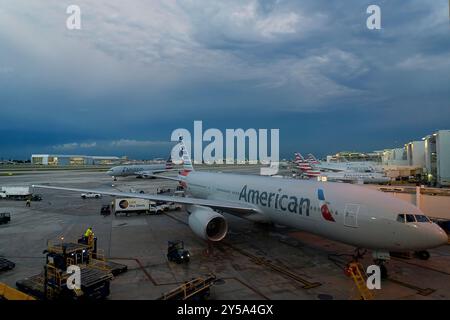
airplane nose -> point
(444, 236)
(425, 236)
(438, 237)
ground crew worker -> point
(28, 204)
(89, 236)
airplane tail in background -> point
(187, 163)
(169, 163)
(305, 166)
(313, 160)
(298, 157)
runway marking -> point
(420, 266)
(421, 291)
(261, 261)
(155, 283)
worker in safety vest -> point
(89, 235)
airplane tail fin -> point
(306, 165)
(298, 157)
(187, 163)
(312, 159)
(301, 163)
(169, 163)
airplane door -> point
(351, 215)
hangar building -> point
(72, 160)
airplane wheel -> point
(384, 271)
(423, 255)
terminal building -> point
(427, 159)
(354, 156)
(437, 157)
(394, 157)
(72, 160)
(415, 153)
(431, 155)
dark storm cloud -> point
(136, 72)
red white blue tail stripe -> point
(169, 163)
(187, 163)
(305, 166)
(312, 160)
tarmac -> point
(254, 261)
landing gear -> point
(383, 270)
(114, 179)
(380, 259)
(422, 255)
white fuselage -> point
(349, 166)
(354, 176)
(135, 169)
(360, 217)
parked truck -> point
(15, 193)
(135, 205)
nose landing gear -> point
(380, 258)
(422, 255)
(383, 270)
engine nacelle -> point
(207, 224)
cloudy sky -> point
(139, 69)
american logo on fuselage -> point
(326, 214)
(276, 200)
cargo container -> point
(16, 193)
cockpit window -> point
(406, 218)
(422, 218)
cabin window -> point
(410, 218)
(401, 218)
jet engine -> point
(207, 224)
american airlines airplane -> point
(140, 170)
(308, 169)
(363, 218)
(355, 176)
(361, 166)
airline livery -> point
(140, 170)
(363, 218)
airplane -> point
(306, 167)
(140, 171)
(355, 166)
(354, 176)
(347, 213)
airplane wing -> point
(222, 205)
